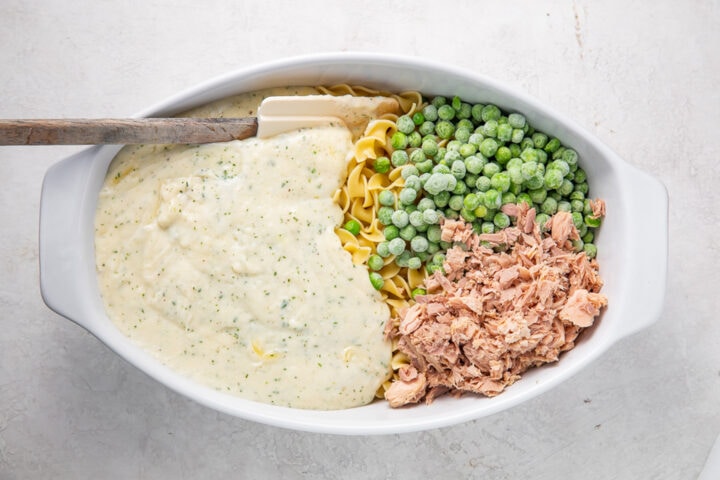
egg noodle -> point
(358, 198)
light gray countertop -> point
(643, 76)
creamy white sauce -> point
(221, 260)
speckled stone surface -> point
(643, 76)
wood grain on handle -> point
(125, 131)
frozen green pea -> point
(396, 246)
(565, 206)
(439, 101)
(418, 244)
(417, 156)
(405, 124)
(383, 249)
(592, 221)
(384, 215)
(566, 188)
(462, 134)
(446, 112)
(503, 155)
(408, 195)
(433, 247)
(353, 226)
(467, 215)
(430, 217)
(376, 280)
(444, 129)
(524, 197)
(424, 167)
(391, 232)
(418, 118)
(570, 157)
(504, 132)
(483, 183)
(413, 181)
(474, 164)
(456, 202)
(441, 199)
(481, 210)
(582, 187)
(553, 179)
(529, 155)
(490, 129)
(434, 233)
(500, 182)
(552, 145)
(549, 206)
(467, 150)
(471, 201)
(408, 232)
(408, 171)
(414, 140)
(400, 218)
(515, 174)
(541, 219)
(588, 237)
(460, 188)
(539, 139)
(429, 148)
(403, 259)
(457, 169)
(425, 203)
(451, 157)
(452, 182)
(417, 291)
(490, 169)
(575, 195)
(577, 219)
(492, 199)
(535, 182)
(414, 263)
(590, 250)
(490, 112)
(430, 112)
(508, 197)
(517, 135)
(559, 165)
(427, 128)
(386, 198)
(436, 183)
(476, 112)
(516, 120)
(488, 147)
(475, 139)
(381, 164)
(501, 220)
(399, 158)
(416, 218)
(487, 227)
(398, 140)
(538, 195)
(375, 262)
(580, 175)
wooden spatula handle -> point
(125, 131)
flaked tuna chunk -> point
(410, 388)
(582, 307)
(562, 228)
(492, 315)
(598, 208)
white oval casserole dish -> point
(633, 268)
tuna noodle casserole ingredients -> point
(493, 315)
(221, 260)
